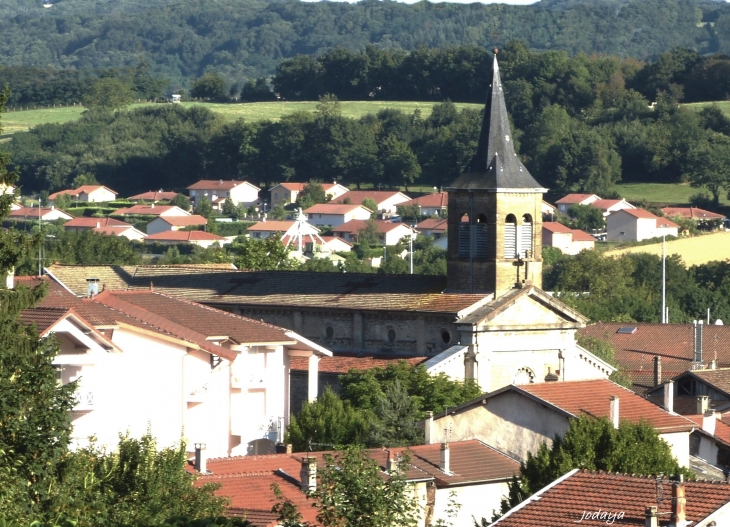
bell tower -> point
(495, 211)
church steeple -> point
(496, 165)
(495, 211)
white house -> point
(335, 214)
(435, 227)
(33, 213)
(88, 193)
(129, 232)
(516, 419)
(181, 369)
(200, 238)
(151, 210)
(387, 201)
(154, 196)
(164, 223)
(569, 241)
(636, 225)
(568, 201)
(84, 224)
(435, 204)
(472, 473)
(388, 233)
(286, 193)
(217, 190)
(266, 229)
(607, 206)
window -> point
(686, 386)
(445, 337)
(473, 237)
(524, 376)
(525, 237)
(510, 237)
(464, 235)
(390, 335)
(329, 332)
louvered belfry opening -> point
(495, 210)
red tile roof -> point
(693, 213)
(355, 226)
(582, 236)
(574, 198)
(554, 226)
(117, 231)
(144, 210)
(273, 226)
(592, 398)
(438, 199)
(85, 189)
(93, 223)
(433, 224)
(185, 221)
(155, 195)
(605, 204)
(645, 214)
(342, 363)
(298, 187)
(218, 184)
(332, 208)
(722, 429)
(184, 236)
(43, 317)
(32, 212)
(358, 196)
(580, 492)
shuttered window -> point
(510, 240)
(481, 249)
(464, 243)
(473, 240)
(525, 239)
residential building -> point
(548, 211)
(147, 361)
(474, 474)
(710, 442)
(607, 206)
(701, 217)
(435, 204)
(286, 193)
(154, 196)
(88, 193)
(569, 241)
(200, 238)
(387, 201)
(84, 224)
(697, 390)
(434, 227)
(335, 214)
(217, 190)
(151, 210)
(517, 419)
(336, 244)
(652, 354)
(388, 233)
(568, 201)
(169, 222)
(597, 499)
(129, 232)
(634, 225)
(266, 229)
(34, 214)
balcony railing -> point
(258, 427)
(84, 400)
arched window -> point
(525, 237)
(510, 237)
(473, 237)
(464, 235)
(480, 237)
(524, 376)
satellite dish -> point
(718, 322)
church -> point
(487, 319)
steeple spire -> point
(496, 165)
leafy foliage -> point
(262, 255)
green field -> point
(667, 193)
(697, 106)
(23, 120)
(696, 250)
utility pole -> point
(410, 246)
(664, 279)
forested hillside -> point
(245, 39)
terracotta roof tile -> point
(155, 195)
(342, 363)
(275, 226)
(358, 196)
(638, 213)
(592, 398)
(144, 210)
(92, 223)
(582, 236)
(605, 204)
(554, 226)
(574, 198)
(693, 213)
(332, 208)
(32, 212)
(184, 236)
(117, 231)
(433, 224)
(355, 226)
(218, 184)
(722, 429)
(566, 502)
(298, 187)
(438, 199)
(43, 317)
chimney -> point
(308, 475)
(429, 428)
(10, 279)
(703, 403)
(98, 224)
(613, 414)
(709, 420)
(391, 465)
(679, 504)
(652, 516)
(657, 370)
(669, 397)
(201, 458)
(92, 287)
(152, 206)
(698, 358)
(445, 462)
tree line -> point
(182, 39)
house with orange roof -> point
(34, 214)
(568, 201)
(389, 233)
(129, 233)
(146, 360)
(335, 214)
(286, 193)
(569, 241)
(108, 226)
(151, 210)
(597, 499)
(518, 418)
(387, 201)
(607, 206)
(217, 190)
(88, 193)
(435, 204)
(434, 227)
(199, 238)
(154, 196)
(169, 222)
(701, 217)
(635, 225)
(471, 473)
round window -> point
(391, 335)
(445, 336)
(329, 332)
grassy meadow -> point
(20, 121)
(662, 193)
(693, 251)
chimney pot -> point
(429, 428)
(308, 475)
(201, 459)
(652, 516)
(679, 504)
(445, 463)
(613, 411)
(703, 403)
(669, 397)
(709, 420)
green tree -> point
(603, 349)
(108, 94)
(327, 423)
(585, 217)
(396, 415)
(312, 194)
(278, 212)
(370, 204)
(229, 209)
(352, 493)
(262, 255)
(182, 201)
(209, 86)
(204, 208)
(709, 165)
(62, 201)
(400, 164)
